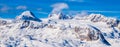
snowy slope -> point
(94, 30)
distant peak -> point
(95, 15)
(27, 15)
(59, 15)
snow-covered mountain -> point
(58, 30)
(59, 16)
(27, 15)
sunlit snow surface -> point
(57, 33)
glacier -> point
(59, 30)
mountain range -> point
(60, 30)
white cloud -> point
(59, 6)
(76, 0)
(43, 12)
(21, 7)
(4, 8)
(82, 13)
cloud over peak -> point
(59, 6)
(21, 7)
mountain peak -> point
(27, 15)
(59, 16)
(96, 17)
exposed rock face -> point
(25, 24)
(86, 33)
(119, 25)
(3, 22)
(113, 22)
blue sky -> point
(41, 8)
